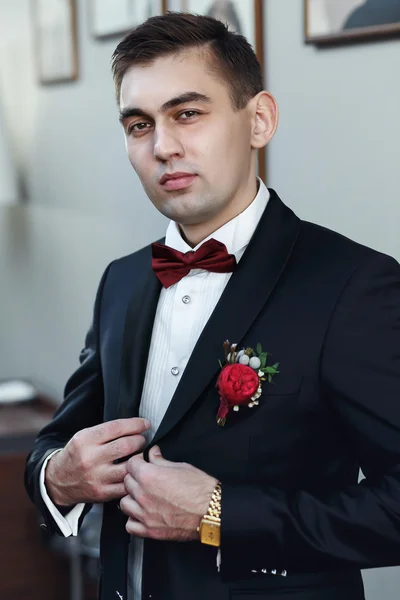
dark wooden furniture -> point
(28, 568)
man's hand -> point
(166, 500)
(85, 471)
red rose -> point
(236, 385)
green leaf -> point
(220, 363)
(275, 366)
(270, 370)
(263, 361)
(269, 378)
(259, 349)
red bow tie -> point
(170, 265)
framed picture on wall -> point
(56, 40)
(341, 21)
(245, 17)
(110, 18)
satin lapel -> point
(136, 343)
(250, 287)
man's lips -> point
(177, 181)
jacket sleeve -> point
(82, 407)
(356, 527)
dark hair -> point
(229, 55)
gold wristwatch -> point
(210, 525)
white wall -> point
(335, 160)
(84, 205)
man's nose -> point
(167, 144)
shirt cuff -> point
(67, 524)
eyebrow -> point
(131, 111)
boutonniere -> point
(241, 378)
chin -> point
(183, 218)
(188, 220)
(184, 215)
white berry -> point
(244, 359)
(255, 362)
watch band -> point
(210, 526)
(214, 509)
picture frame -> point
(328, 22)
(56, 40)
(113, 18)
(246, 18)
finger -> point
(136, 528)
(132, 487)
(156, 458)
(123, 447)
(115, 473)
(131, 508)
(110, 492)
(112, 430)
(135, 465)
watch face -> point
(210, 533)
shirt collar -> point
(235, 234)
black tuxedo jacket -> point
(328, 310)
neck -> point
(195, 234)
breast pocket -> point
(277, 429)
(284, 384)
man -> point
(138, 430)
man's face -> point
(179, 121)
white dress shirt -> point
(182, 312)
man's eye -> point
(188, 114)
(137, 127)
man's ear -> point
(265, 116)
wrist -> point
(51, 480)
